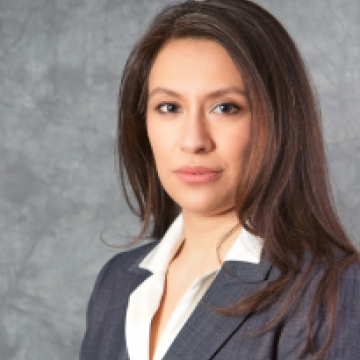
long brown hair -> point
(284, 195)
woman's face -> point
(198, 123)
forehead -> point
(185, 62)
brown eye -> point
(168, 108)
(227, 108)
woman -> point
(220, 141)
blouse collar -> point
(247, 248)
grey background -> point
(60, 64)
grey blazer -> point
(210, 335)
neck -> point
(205, 234)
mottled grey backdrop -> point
(60, 63)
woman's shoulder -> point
(122, 261)
(347, 288)
(129, 257)
(349, 284)
(343, 308)
(114, 270)
(347, 272)
(342, 278)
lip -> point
(197, 174)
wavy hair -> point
(284, 194)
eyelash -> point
(227, 104)
(234, 108)
(158, 108)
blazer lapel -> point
(126, 279)
(235, 281)
(118, 344)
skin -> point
(197, 115)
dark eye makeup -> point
(167, 108)
(227, 108)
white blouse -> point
(145, 299)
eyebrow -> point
(219, 92)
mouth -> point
(197, 174)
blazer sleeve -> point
(91, 315)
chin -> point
(205, 208)
(202, 200)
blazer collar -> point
(246, 248)
(135, 267)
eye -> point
(227, 108)
(167, 108)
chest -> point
(180, 296)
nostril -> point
(196, 138)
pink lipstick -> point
(197, 174)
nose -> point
(195, 134)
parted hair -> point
(283, 195)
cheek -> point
(154, 137)
(234, 147)
(163, 136)
(160, 144)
